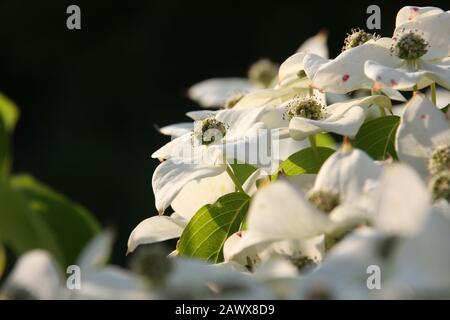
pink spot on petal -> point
(415, 9)
(394, 82)
(379, 78)
(423, 116)
(345, 77)
(239, 234)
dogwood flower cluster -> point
(266, 204)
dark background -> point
(90, 98)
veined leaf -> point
(308, 160)
(242, 171)
(207, 231)
(377, 137)
(72, 225)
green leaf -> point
(4, 149)
(377, 137)
(325, 140)
(307, 160)
(20, 228)
(207, 231)
(72, 225)
(242, 171)
(2, 260)
(9, 112)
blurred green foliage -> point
(33, 215)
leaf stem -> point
(234, 179)
(433, 92)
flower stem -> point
(234, 179)
(433, 92)
(312, 142)
(375, 93)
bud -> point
(358, 37)
(410, 46)
(305, 107)
(439, 160)
(325, 200)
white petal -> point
(395, 78)
(251, 147)
(410, 13)
(111, 283)
(435, 29)
(347, 172)
(172, 148)
(240, 120)
(346, 72)
(312, 62)
(214, 92)
(438, 73)
(234, 249)
(343, 273)
(421, 264)
(347, 124)
(316, 44)
(200, 192)
(403, 202)
(37, 273)
(197, 280)
(200, 114)
(280, 211)
(249, 185)
(265, 97)
(290, 68)
(178, 129)
(171, 176)
(155, 229)
(97, 252)
(422, 128)
(442, 97)
(393, 94)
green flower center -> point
(308, 108)
(439, 160)
(325, 200)
(211, 130)
(440, 186)
(410, 46)
(233, 100)
(263, 72)
(358, 37)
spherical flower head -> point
(410, 46)
(325, 200)
(358, 37)
(210, 130)
(306, 107)
(263, 72)
(440, 186)
(233, 100)
(439, 160)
